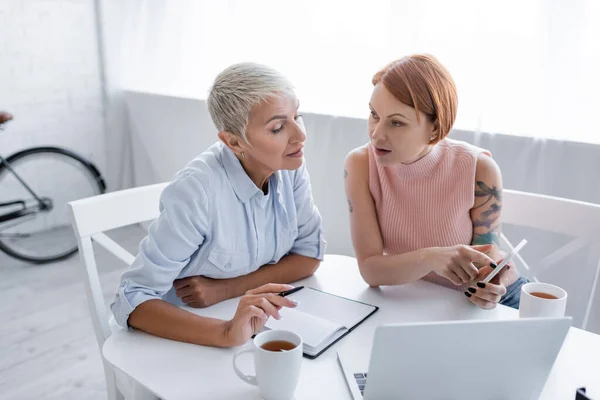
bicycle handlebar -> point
(4, 118)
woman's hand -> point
(456, 263)
(253, 311)
(486, 295)
(200, 292)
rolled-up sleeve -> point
(172, 239)
(310, 241)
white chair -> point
(92, 217)
(575, 219)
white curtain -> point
(522, 67)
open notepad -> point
(321, 318)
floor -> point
(47, 345)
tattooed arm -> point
(487, 207)
(486, 216)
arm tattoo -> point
(487, 225)
(483, 190)
(486, 238)
(489, 217)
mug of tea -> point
(277, 361)
(542, 300)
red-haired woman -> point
(422, 205)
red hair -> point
(423, 83)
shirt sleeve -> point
(310, 241)
(172, 239)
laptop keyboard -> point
(361, 381)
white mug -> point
(277, 373)
(537, 307)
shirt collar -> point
(242, 185)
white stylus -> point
(505, 261)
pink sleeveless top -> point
(426, 203)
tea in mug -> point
(543, 295)
(278, 345)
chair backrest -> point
(575, 219)
(93, 216)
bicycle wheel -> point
(55, 174)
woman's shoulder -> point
(485, 166)
(196, 184)
(464, 149)
(358, 158)
(359, 154)
(356, 167)
(204, 168)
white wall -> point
(49, 77)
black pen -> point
(288, 292)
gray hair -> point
(237, 89)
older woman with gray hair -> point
(238, 216)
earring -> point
(243, 155)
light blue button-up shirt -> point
(215, 222)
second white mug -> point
(540, 300)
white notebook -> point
(321, 318)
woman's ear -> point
(234, 142)
(435, 132)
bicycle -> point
(36, 184)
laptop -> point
(480, 359)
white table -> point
(174, 370)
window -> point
(521, 67)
